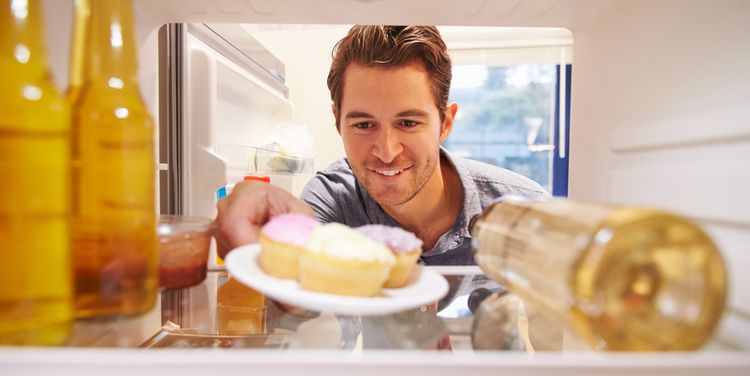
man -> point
(389, 86)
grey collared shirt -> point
(336, 195)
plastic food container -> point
(270, 161)
(183, 250)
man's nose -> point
(387, 145)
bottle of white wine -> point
(625, 278)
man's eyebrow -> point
(358, 115)
(406, 113)
(413, 113)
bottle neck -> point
(22, 49)
(78, 50)
(112, 52)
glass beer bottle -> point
(625, 278)
(115, 255)
(78, 50)
(36, 293)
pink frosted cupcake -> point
(282, 240)
(406, 247)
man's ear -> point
(336, 117)
(450, 116)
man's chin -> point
(390, 199)
(387, 194)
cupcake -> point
(282, 240)
(338, 260)
(406, 247)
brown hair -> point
(392, 46)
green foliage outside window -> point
(505, 121)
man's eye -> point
(363, 125)
(409, 123)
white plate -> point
(425, 287)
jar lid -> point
(177, 224)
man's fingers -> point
(237, 221)
(237, 232)
(239, 239)
(281, 202)
(249, 206)
(221, 248)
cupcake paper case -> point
(282, 240)
(406, 247)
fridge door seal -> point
(172, 96)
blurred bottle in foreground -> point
(36, 292)
(115, 254)
(78, 50)
(625, 278)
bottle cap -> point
(221, 193)
(266, 179)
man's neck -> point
(435, 208)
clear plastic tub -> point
(183, 250)
(270, 161)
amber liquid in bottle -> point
(114, 216)
(240, 310)
(624, 278)
(78, 50)
(36, 287)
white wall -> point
(661, 117)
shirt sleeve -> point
(321, 195)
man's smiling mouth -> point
(389, 172)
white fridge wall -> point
(660, 117)
(227, 107)
(206, 171)
(307, 66)
(247, 109)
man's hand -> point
(249, 206)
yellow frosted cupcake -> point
(282, 240)
(406, 247)
(338, 260)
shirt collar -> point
(472, 205)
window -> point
(509, 107)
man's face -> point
(391, 130)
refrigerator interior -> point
(659, 99)
(231, 111)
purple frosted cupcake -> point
(405, 246)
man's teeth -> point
(389, 172)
